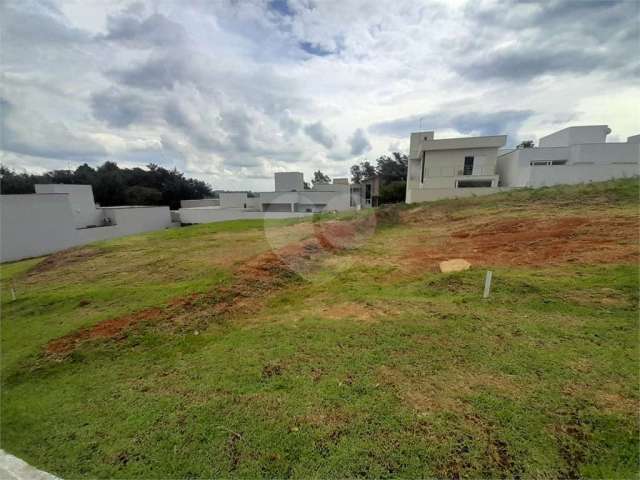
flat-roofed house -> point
(451, 167)
(571, 155)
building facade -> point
(451, 167)
(289, 199)
(569, 156)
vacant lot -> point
(335, 348)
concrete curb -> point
(12, 468)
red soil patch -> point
(261, 275)
(535, 242)
(112, 328)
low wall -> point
(543, 176)
(40, 224)
(205, 202)
(35, 224)
(210, 215)
(430, 194)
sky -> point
(232, 91)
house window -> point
(473, 183)
(367, 191)
(468, 166)
(422, 166)
(544, 163)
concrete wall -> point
(132, 220)
(233, 200)
(430, 194)
(416, 141)
(81, 199)
(289, 181)
(210, 215)
(584, 163)
(34, 225)
(205, 202)
(337, 198)
(541, 176)
(576, 135)
(605, 153)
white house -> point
(60, 216)
(451, 167)
(569, 156)
(290, 198)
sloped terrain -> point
(335, 348)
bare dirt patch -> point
(533, 241)
(112, 328)
(64, 258)
(253, 281)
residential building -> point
(571, 155)
(366, 194)
(290, 198)
(451, 167)
(60, 216)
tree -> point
(392, 172)
(362, 172)
(320, 178)
(392, 169)
(526, 144)
(113, 185)
(393, 192)
(14, 183)
(139, 195)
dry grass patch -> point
(447, 391)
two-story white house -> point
(451, 167)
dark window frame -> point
(468, 165)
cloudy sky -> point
(232, 91)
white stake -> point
(487, 284)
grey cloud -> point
(236, 123)
(493, 123)
(23, 134)
(192, 125)
(39, 23)
(155, 30)
(555, 37)
(162, 71)
(359, 142)
(289, 124)
(320, 134)
(119, 109)
(520, 64)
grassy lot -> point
(368, 363)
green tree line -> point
(113, 185)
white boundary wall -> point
(34, 225)
(591, 162)
(213, 214)
(39, 224)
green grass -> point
(357, 369)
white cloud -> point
(232, 91)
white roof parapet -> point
(494, 141)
